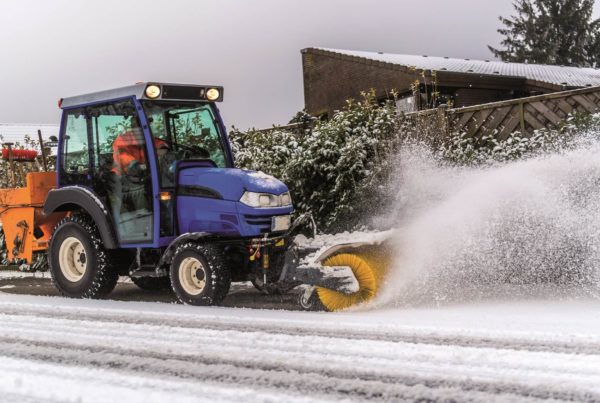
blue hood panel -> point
(231, 183)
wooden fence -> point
(525, 115)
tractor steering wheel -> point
(193, 152)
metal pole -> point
(11, 164)
(44, 162)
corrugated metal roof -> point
(15, 133)
(557, 75)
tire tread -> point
(105, 278)
(215, 257)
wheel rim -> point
(72, 259)
(306, 298)
(192, 276)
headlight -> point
(265, 200)
(152, 91)
(212, 94)
(286, 199)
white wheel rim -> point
(72, 259)
(192, 276)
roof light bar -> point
(212, 94)
(152, 91)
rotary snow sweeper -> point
(145, 186)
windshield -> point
(183, 131)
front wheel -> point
(200, 274)
(79, 264)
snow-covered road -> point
(55, 349)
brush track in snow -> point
(297, 355)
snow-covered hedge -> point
(336, 170)
(339, 170)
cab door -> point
(104, 149)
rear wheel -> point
(79, 264)
(200, 274)
(152, 283)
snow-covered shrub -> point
(270, 152)
(335, 171)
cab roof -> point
(168, 91)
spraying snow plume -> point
(467, 232)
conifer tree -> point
(551, 32)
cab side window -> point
(75, 158)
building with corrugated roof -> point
(331, 76)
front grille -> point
(261, 221)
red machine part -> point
(20, 155)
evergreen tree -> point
(551, 32)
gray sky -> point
(56, 48)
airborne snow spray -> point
(504, 230)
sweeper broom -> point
(145, 186)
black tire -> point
(199, 274)
(97, 278)
(152, 283)
(311, 302)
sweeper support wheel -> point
(369, 266)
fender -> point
(76, 197)
(167, 255)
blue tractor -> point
(148, 187)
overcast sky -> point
(57, 48)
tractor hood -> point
(228, 183)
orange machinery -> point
(26, 229)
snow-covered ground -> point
(56, 349)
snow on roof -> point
(13, 133)
(557, 75)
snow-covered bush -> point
(336, 170)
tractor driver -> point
(130, 168)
